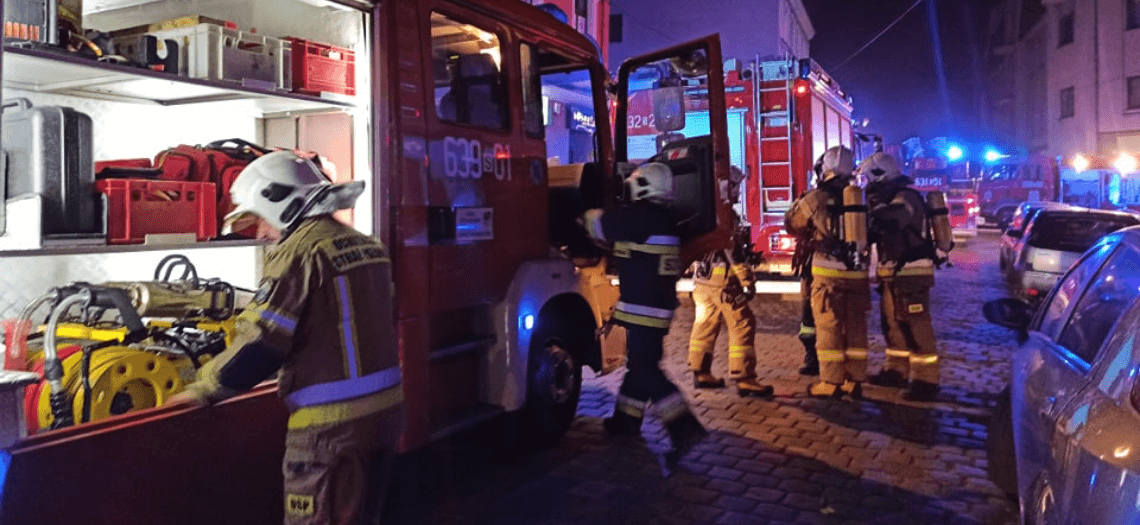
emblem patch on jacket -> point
(669, 265)
(299, 505)
(914, 308)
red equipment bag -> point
(219, 162)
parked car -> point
(1011, 237)
(1053, 240)
(1066, 440)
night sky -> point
(893, 82)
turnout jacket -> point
(647, 246)
(323, 317)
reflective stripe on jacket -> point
(323, 315)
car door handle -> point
(1047, 409)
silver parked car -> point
(1053, 240)
(1012, 238)
(1072, 415)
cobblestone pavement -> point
(788, 460)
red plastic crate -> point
(140, 207)
(320, 67)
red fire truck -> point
(934, 173)
(1012, 180)
(448, 130)
(782, 115)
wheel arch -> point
(574, 321)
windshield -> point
(1073, 232)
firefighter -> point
(722, 287)
(900, 230)
(320, 316)
(801, 267)
(840, 297)
(646, 244)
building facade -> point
(1064, 75)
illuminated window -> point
(466, 62)
(1068, 106)
(1132, 14)
(1065, 30)
(1133, 92)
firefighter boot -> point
(920, 391)
(752, 387)
(622, 424)
(811, 360)
(825, 389)
(891, 378)
(685, 432)
(703, 377)
(853, 389)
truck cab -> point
(481, 130)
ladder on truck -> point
(777, 116)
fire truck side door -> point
(671, 109)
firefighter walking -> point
(647, 246)
(722, 287)
(313, 318)
(840, 295)
(906, 236)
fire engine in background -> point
(1010, 181)
(935, 174)
(782, 114)
(448, 126)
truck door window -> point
(467, 72)
(565, 108)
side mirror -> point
(1010, 313)
(669, 108)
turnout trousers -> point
(840, 301)
(905, 319)
(644, 381)
(338, 474)
(711, 312)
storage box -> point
(50, 156)
(320, 67)
(137, 208)
(213, 52)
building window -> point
(1133, 92)
(1132, 14)
(582, 7)
(1065, 30)
(1067, 103)
(469, 87)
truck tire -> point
(999, 447)
(554, 384)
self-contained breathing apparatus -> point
(917, 239)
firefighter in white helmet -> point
(840, 294)
(722, 287)
(320, 317)
(900, 231)
(646, 243)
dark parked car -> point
(1053, 240)
(1066, 439)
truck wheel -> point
(999, 447)
(554, 384)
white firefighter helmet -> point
(837, 161)
(880, 167)
(282, 188)
(652, 181)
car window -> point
(1053, 313)
(1112, 291)
(1073, 232)
(1117, 373)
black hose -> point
(85, 374)
(170, 262)
(181, 346)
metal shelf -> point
(47, 71)
(127, 248)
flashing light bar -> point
(1126, 164)
(1080, 163)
